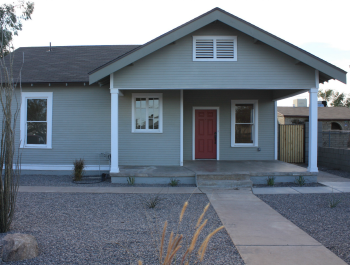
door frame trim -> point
(194, 130)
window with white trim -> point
(214, 48)
(36, 120)
(147, 113)
(244, 123)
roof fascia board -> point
(152, 47)
(283, 47)
(232, 21)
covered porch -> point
(204, 173)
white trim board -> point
(133, 120)
(217, 131)
(214, 88)
(181, 127)
(255, 119)
(23, 119)
(60, 167)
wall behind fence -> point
(335, 158)
(336, 139)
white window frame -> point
(214, 38)
(23, 128)
(133, 123)
(255, 122)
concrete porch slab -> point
(211, 173)
(246, 167)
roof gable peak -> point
(327, 70)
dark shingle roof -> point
(64, 63)
(324, 113)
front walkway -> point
(264, 237)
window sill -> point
(244, 145)
(35, 147)
(145, 132)
(215, 60)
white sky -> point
(318, 26)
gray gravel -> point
(64, 181)
(340, 173)
(288, 184)
(112, 228)
(311, 212)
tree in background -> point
(333, 98)
(10, 24)
(340, 100)
(326, 95)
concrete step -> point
(224, 181)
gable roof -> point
(324, 113)
(63, 63)
(327, 70)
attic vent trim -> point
(214, 48)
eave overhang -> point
(327, 70)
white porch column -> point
(313, 119)
(276, 131)
(181, 127)
(114, 127)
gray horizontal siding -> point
(150, 148)
(258, 66)
(222, 99)
(80, 126)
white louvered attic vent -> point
(204, 49)
(215, 48)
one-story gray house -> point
(205, 90)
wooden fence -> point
(292, 143)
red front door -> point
(205, 134)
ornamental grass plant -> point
(169, 249)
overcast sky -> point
(318, 26)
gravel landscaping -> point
(311, 212)
(64, 181)
(113, 228)
(288, 184)
(340, 173)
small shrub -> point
(174, 182)
(78, 169)
(300, 181)
(153, 202)
(333, 202)
(131, 180)
(270, 181)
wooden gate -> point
(292, 143)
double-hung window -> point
(214, 48)
(147, 113)
(36, 120)
(244, 123)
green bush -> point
(174, 182)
